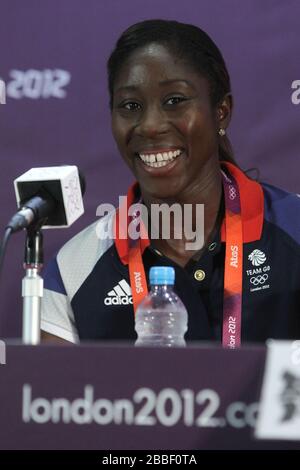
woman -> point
(171, 105)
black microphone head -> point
(82, 182)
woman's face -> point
(163, 122)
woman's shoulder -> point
(282, 208)
(96, 236)
(77, 258)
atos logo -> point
(37, 84)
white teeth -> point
(157, 164)
(159, 159)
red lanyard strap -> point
(233, 275)
(137, 276)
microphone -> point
(51, 196)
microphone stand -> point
(32, 285)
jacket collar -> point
(252, 212)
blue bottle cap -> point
(162, 275)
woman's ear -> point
(224, 111)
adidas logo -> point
(120, 295)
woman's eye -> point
(175, 100)
(130, 106)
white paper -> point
(279, 410)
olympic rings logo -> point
(232, 192)
(261, 279)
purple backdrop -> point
(53, 60)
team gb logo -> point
(257, 257)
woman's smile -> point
(160, 161)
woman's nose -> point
(152, 121)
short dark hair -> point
(185, 41)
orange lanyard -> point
(233, 273)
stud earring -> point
(221, 132)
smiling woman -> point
(171, 105)
(168, 108)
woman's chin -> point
(160, 191)
(160, 182)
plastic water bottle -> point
(161, 318)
